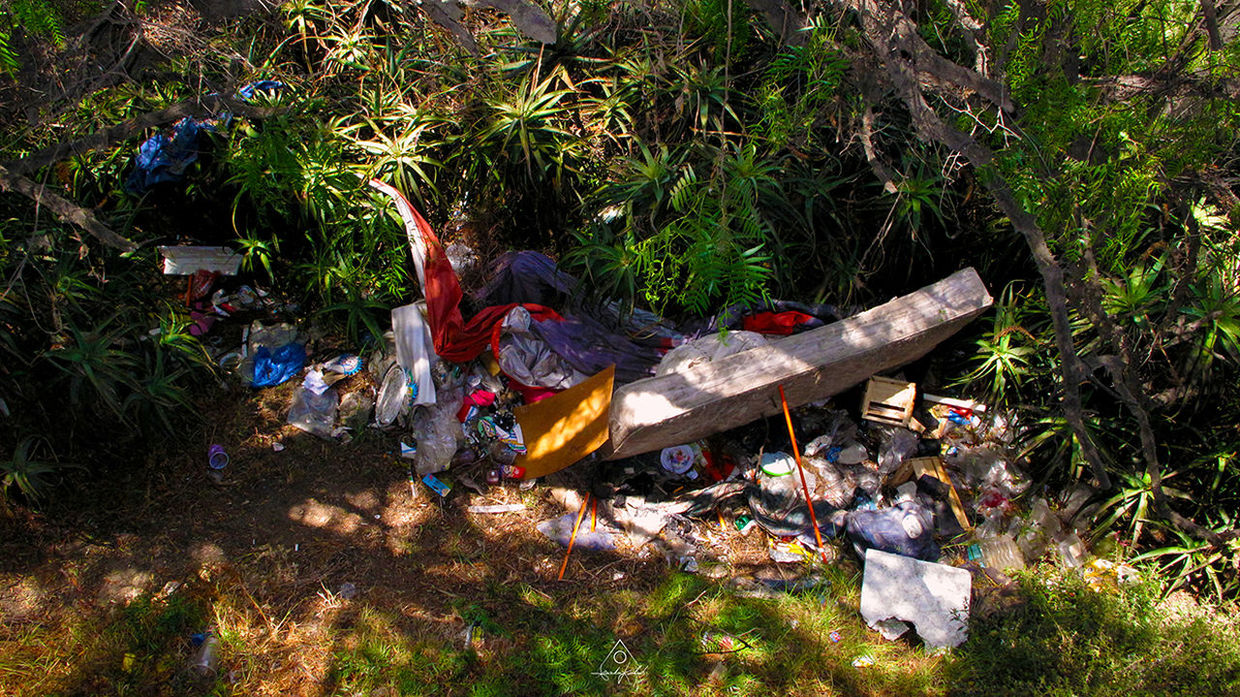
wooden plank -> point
(709, 398)
(914, 468)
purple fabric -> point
(526, 277)
(584, 342)
(588, 346)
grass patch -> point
(141, 648)
(685, 635)
(1063, 638)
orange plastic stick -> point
(796, 452)
(573, 537)
(593, 514)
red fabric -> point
(479, 398)
(780, 323)
(717, 467)
(454, 339)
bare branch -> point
(867, 143)
(782, 18)
(64, 209)
(887, 30)
(1211, 18)
(972, 31)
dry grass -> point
(264, 558)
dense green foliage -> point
(679, 156)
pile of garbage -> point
(908, 480)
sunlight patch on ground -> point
(324, 515)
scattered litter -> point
(1001, 553)
(344, 364)
(888, 401)
(520, 391)
(680, 459)
(863, 661)
(934, 598)
(906, 529)
(561, 530)
(788, 552)
(203, 664)
(314, 413)
(436, 485)
(274, 367)
(347, 590)
(497, 508)
(1103, 574)
(217, 459)
(188, 260)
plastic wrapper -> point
(314, 413)
(898, 447)
(868, 481)
(438, 433)
(906, 529)
(355, 410)
(711, 347)
(411, 336)
(833, 484)
(530, 360)
(1037, 531)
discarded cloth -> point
(454, 339)
(734, 316)
(780, 323)
(526, 277)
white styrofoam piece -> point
(185, 261)
(934, 598)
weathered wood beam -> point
(709, 398)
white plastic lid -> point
(777, 464)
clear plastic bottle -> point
(205, 659)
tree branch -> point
(64, 209)
(887, 31)
(867, 144)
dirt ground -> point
(294, 531)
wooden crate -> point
(888, 401)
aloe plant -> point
(26, 471)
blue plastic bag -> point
(271, 369)
(164, 159)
